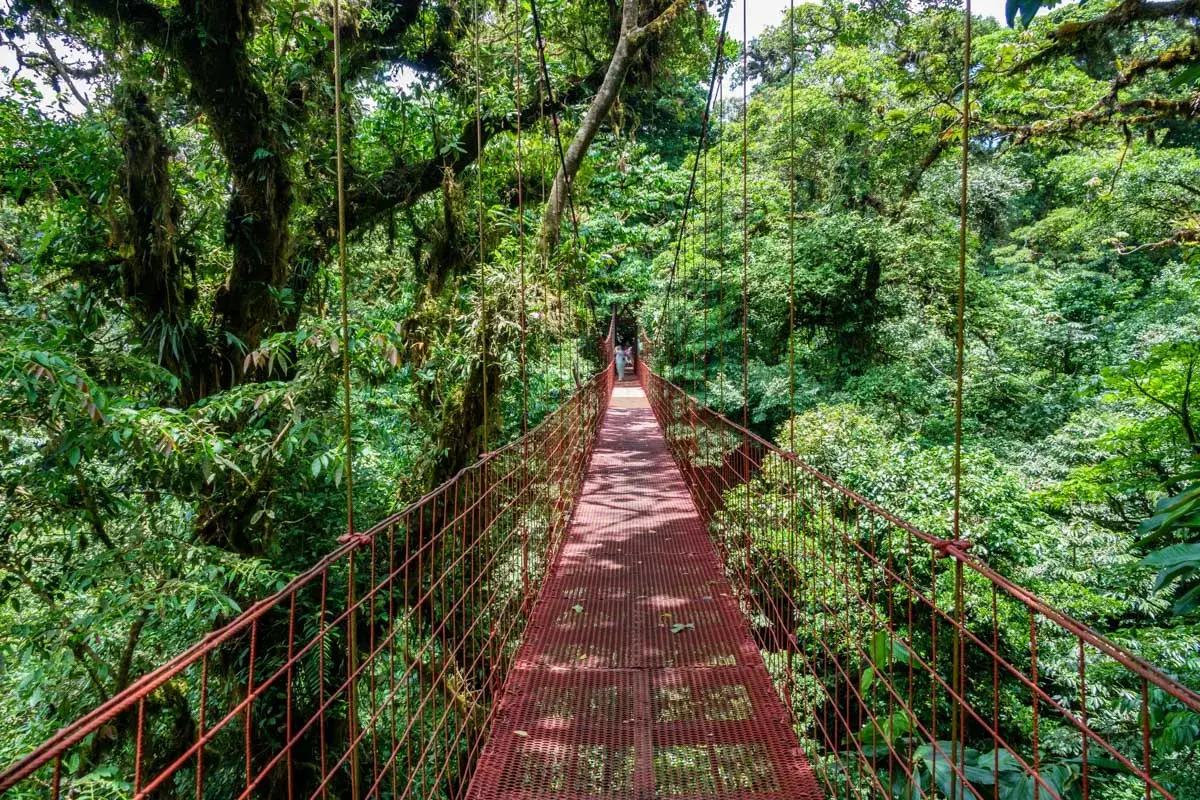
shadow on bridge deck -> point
(638, 677)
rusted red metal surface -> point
(895, 650)
(721, 621)
(639, 677)
(284, 701)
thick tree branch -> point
(405, 182)
(1184, 236)
(1073, 37)
(939, 146)
(143, 19)
(209, 40)
(370, 198)
(631, 40)
(1152, 109)
(365, 46)
(1185, 53)
(60, 69)
(657, 26)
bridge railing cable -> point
(273, 703)
(893, 693)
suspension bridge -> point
(637, 598)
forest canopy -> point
(170, 414)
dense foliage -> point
(1082, 320)
(170, 417)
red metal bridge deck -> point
(639, 677)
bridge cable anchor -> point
(947, 548)
(356, 539)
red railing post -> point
(859, 592)
(867, 590)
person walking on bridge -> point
(619, 357)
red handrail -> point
(789, 532)
(482, 539)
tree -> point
(632, 38)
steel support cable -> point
(483, 322)
(342, 268)
(791, 302)
(484, 485)
(343, 271)
(721, 252)
(745, 227)
(569, 181)
(548, 90)
(547, 301)
(746, 271)
(705, 278)
(524, 311)
(957, 747)
(481, 523)
(562, 157)
(689, 277)
(960, 319)
(700, 145)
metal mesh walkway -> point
(639, 677)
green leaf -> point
(679, 627)
(884, 650)
(1173, 562)
(1004, 761)
(1018, 788)
(1180, 510)
(1189, 601)
(868, 678)
(1189, 76)
(1011, 7)
(885, 732)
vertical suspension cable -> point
(546, 93)
(351, 622)
(483, 321)
(342, 269)
(569, 188)
(960, 326)
(721, 252)
(745, 226)
(791, 303)
(746, 270)
(542, 161)
(562, 159)
(704, 278)
(568, 181)
(704, 128)
(792, 225)
(524, 313)
(957, 749)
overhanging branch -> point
(1072, 37)
(1142, 111)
